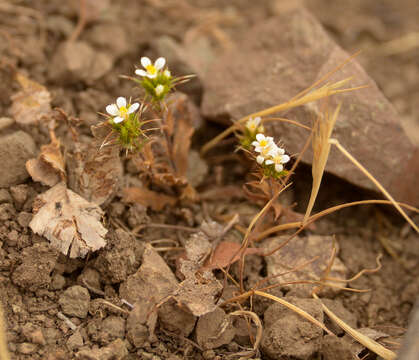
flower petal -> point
(255, 143)
(112, 110)
(121, 102)
(145, 61)
(260, 159)
(279, 167)
(151, 76)
(118, 119)
(269, 162)
(257, 120)
(260, 137)
(133, 108)
(141, 72)
(285, 159)
(159, 63)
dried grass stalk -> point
(361, 338)
(321, 147)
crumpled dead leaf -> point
(68, 221)
(49, 167)
(97, 171)
(154, 200)
(31, 103)
(227, 253)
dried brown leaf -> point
(183, 130)
(68, 221)
(148, 198)
(49, 167)
(31, 103)
(227, 253)
(97, 171)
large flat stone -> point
(276, 60)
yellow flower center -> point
(123, 111)
(263, 143)
(151, 69)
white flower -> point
(253, 124)
(167, 73)
(159, 89)
(265, 146)
(278, 158)
(120, 111)
(151, 70)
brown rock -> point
(175, 319)
(335, 348)
(33, 334)
(288, 335)
(214, 329)
(5, 196)
(107, 330)
(117, 350)
(75, 341)
(27, 348)
(15, 150)
(91, 277)
(137, 330)
(37, 264)
(284, 55)
(75, 301)
(301, 250)
(152, 282)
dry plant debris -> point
(148, 198)
(68, 221)
(96, 171)
(31, 103)
(49, 167)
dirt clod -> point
(38, 261)
(75, 301)
(214, 329)
(15, 150)
(287, 334)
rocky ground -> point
(132, 299)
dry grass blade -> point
(317, 94)
(294, 308)
(374, 181)
(257, 322)
(321, 148)
(299, 224)
(364, 340)
(4, 353)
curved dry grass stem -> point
(312, 218)
(327, 90)
(294, 308)
(374, 181)
(364, 340)
(289, 121)
(248, 231)
(256, 320)
(4, 352)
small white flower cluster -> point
(152, 70)
(120, 111)
(269, 152)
